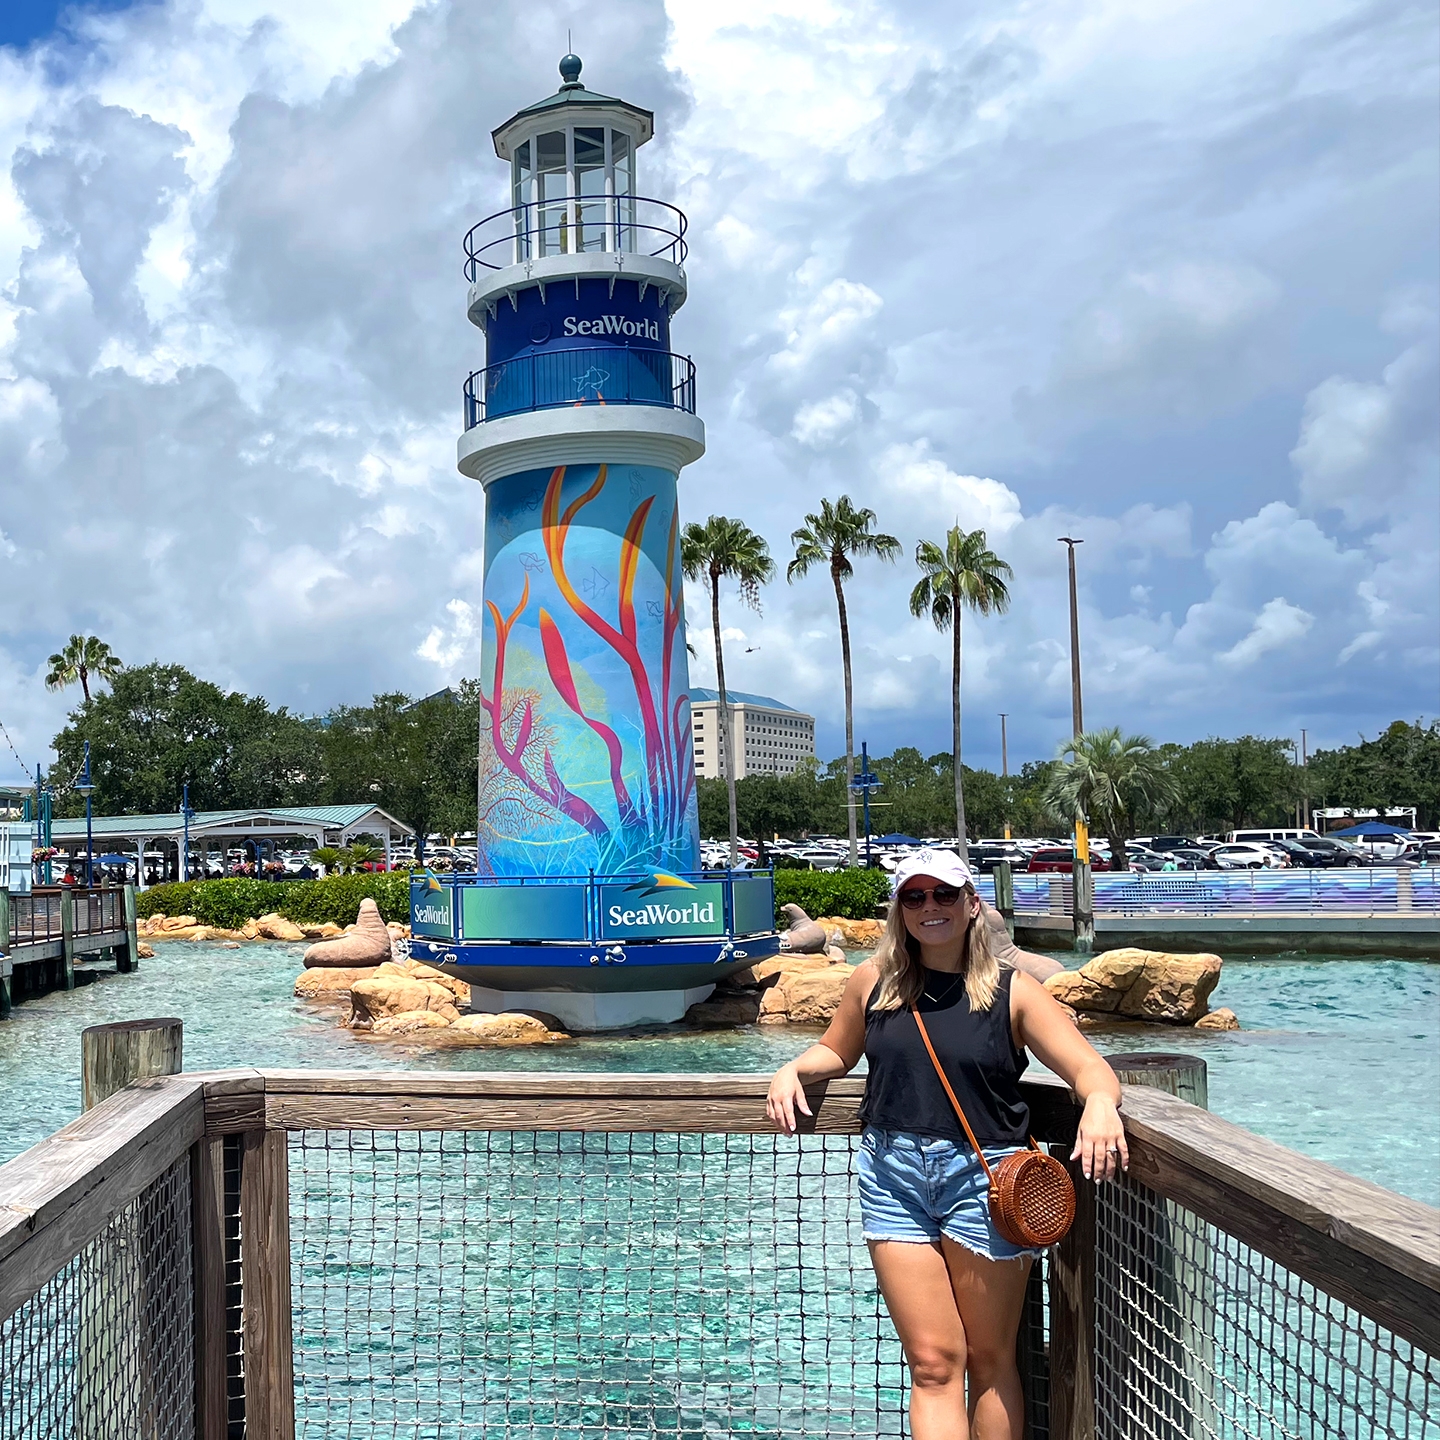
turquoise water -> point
(1339, 1058)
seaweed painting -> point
(628, 801)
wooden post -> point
(67, 938)
(1005, 895)
(7, 966)
(1168, 1346)
(114, 1055)
(207, 1207)
(1072, 1321)
(265, 1260)
(1083, 914)
(127, 956)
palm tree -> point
(831, 538)
(1111, 778)
(718, 549)
(82, 657)
(965, 573)
(329, 857)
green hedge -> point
(847, 894)
(230, 903)
(853, 894)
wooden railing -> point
(474, 1240)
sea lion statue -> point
(805, 936)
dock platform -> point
(49, 936)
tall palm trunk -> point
(849, 716)
(85, 684)
(960, 838)
(726, 735)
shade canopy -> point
(898, 839)
(1374, 829)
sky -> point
(1161, 276)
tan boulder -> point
(1140, 985)
(326, 930)
(277, 927)
(812, 996)
(251, 930)
(383, 995)
(1221, 1019)
(367, 944)
(146, 952)
(855, 934)
(229, 944)
(785, 964)
(509, 1027)
(417, 970)
(219, 933)
(329, 984)
(177, 922)
(409, 1021)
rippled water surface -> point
(1339, 1058)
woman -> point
(953, 1284)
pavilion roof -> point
(262, 819)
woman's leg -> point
(989, 1296)
(918, 1293)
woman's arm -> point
(1042, 1026)
(837, 1053)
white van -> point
(1250, 837)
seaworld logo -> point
(613, 325)
(698, 914)
(432, 914)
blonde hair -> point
(898, 961)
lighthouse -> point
(588, 901)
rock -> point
(321, 984)
(416, 970)
(367, 944)
(855, 934)
(1141, 985)
(509, 1027)
(277, 927)
(719, 1011)
(217, 933)
(251, 930)
(169, 923)
(383, 995)
(1221, 1019)
(409, 1021)
(324, 931)
(804, 935)
(147, 952)
(785, 964)
(230, 945)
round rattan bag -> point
(1032, 1199)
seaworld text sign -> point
(430, 911)
(626, 914)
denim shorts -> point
(916, 1188)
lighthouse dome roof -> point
(571, 102)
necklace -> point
(949, 989)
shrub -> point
(846, 894)
(230, 903)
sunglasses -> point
(945, 895)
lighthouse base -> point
(595, 1010)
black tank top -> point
(977, 1049)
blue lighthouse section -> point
(588, 901)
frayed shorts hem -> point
(964, 1244)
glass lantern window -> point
(591, 203)
(551, 220)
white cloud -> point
(1278, 624)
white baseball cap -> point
(945, 865)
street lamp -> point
(1004, 765)
(185, 813)
(85, 785)
(1077, 710)
(864, 783)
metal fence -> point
(105, 1347)
(1379, 891)
(416, 1255)
(560, 378)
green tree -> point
(1401, 766)
(416, 759)
(160, 727)
(82, 657)
(717, 550)
(830, 538)
(962, 574)
(1227, 784)
(1109, 778)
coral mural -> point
(585, 752)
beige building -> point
(771, 738)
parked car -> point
(1298, 854)
(1333, 852)
(984, 858)
(1059, 862)
(1162, 843)
(1247, 857)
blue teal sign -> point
(431, 910)
(523, 912)
(584, 312)
(635, 912)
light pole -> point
(864, 783)
(85, 785)
(185, 813)
(1077, 710)
(1004, 767)
(1304, 778)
